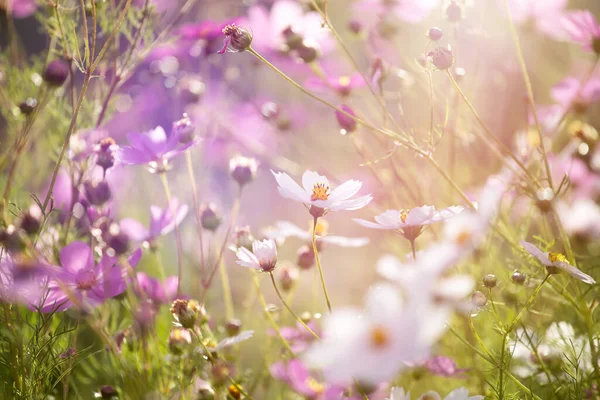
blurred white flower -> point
(262, 257)
(285, 229)
(556, 262)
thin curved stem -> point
(316, 252)
(289, 309)
(165, 182)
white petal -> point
(354, 204)
(534, 251)
(372, 225)
(310, 178)
(391, 219)
(447, 213)
(574, 272)
(345, 190)
(420, 216)
(289, 189)
(345, 242)
(389, 267)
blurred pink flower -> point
(342, 84)
(443, 366)
(268, 26)
(570, 91)
(582, 27)
(21, 8)
(581, 218)
(156, 291)
(546, 14)
(81, 281)
(162, 222)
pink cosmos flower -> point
(410, 222)
(263, 256)
(295, 374)
(154, 148)
(298, 336)
(570, 92)
(268, 27)
(21, 282)
(456, 394)
(581, 218)
(582, 27)
(443, 366)
(316, 192)
(81, 281)
(373, 345)
(21, 8)
(546, 14)
(411, 11)
(556, 262)
(162, 223)
(154, 290)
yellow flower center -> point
(315, 386)
(322, 227)
(557, 257)
(344, 80)
(320, 192)
(463, 237)
(379, 337)
(403, 215)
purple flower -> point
(162, 222)
(154, 290)
(81, 281)
(236, 39)
(21, 282)
(154, 148)
(582, 27)
(297, 376)
(443, 366)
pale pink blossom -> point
(556, 262)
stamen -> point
(403, 215)
(344, 81)
(320, 192)
(557, 257)
(379, 337)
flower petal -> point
(77, 256)
(534, 251)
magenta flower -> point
(154, 148)
(297, 336)
(22, 8)
(296, 375)
(162, 223)
(81, 281)
(154, 290)
(570, 92)
(582, 27)
(443, 366)
(21, 282)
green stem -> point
(289, 309)
(165, 183)
(316, 252)
(227, 296)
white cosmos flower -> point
(371, 345)
(262, 257)
(580, 218)
(553, 261)
(316, 191)
(285, 229)
(419, 216)
(456, 394)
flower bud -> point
(116, 239)
(355, 27)
(31, 221)
(292, 39)
(288, 277)
(243, 237)
(104, 153)
(11, 240)
(518, 278)
(184, 129)
(544, 198)
(205, 393)
(236, 38)
(220, 371)
(108, 392)
(489, 281)
(596, 45)
(188, 312)
(97, 193)
(178, 340)
(28, 105)
(478, 299)
(233, 327)
(346, 122)
(435, 34)
(454, 12)
(306, 257)
(210, 217)
(234, 392)
(308, 52)
(56, 72)
(243, 169)
(441, 57)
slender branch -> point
(165, 182)
(316, 252)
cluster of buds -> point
(188, 313)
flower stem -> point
(316, 251)
(227, 297)
(527, 305)
(165, 182)
(263, 304)
(190, 168)
(289, 309)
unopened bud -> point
(243, 169)
(489, 281)
(306, 257)
(31, 221)
(478, 299)
(518, 278)
(442, 58)
(210, 217)
(28, 106)
(97, 193)
(243, 237)
(233, 327)
(188, 312)
(184, 129)
(454, 12)
(288, 277)
(435, 34)
(178, 340)
(308, 52)
(346, 121)
(56, 72)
